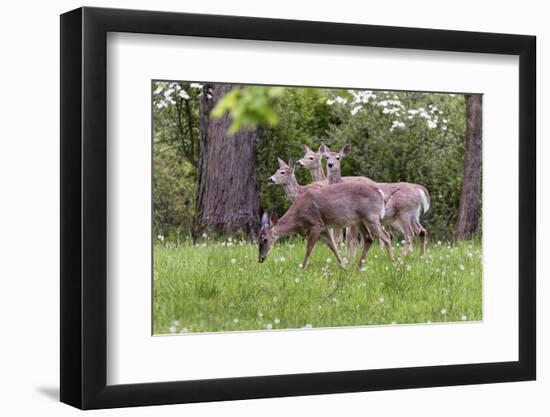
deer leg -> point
(367, 242)
(347, 249)
(332, 245)
(337, 235)
(406, 228)
(351, 242)
(312, 239)
(354, 235)
(384, 236)
(422, 234)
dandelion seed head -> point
(381, 300)
(233, 261)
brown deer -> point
(312, 162)
(285, 176)
(318, 209)
(404, 201)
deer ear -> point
(265, 220)
(281, 163)
(345, 150)
(274, 219)
(323, 149)
(307, 149)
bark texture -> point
(469, 209)
(227, 200)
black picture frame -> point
(84, 207)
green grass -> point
(215, 287)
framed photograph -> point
(259, 208)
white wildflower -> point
(463, 318)
(276, 321)
(173, 329)
(282, 259)
(381, 300)
(233, 261)
(443, 311)
(160, 237)
(432, 124)
(269, 326)
(461, 267)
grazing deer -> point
(403, 200)
(318, 209)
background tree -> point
(227, 188)
(469, 210)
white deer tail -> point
(424, 199)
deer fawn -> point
(403, 200)
(318, 209)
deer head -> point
(267, 236)
(284, 175)
(333, 158)
(311, 159)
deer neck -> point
(334, 177)
(285, 227)
(317, 174)
(293, 189)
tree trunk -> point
(469, 209)
(227, 194)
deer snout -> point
(330, 164)
(300, 163)
(270, 181)
(261, 259)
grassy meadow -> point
(217, 286)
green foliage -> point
(220, 286)
(176, 133)
(249, 106)
(304, 119)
